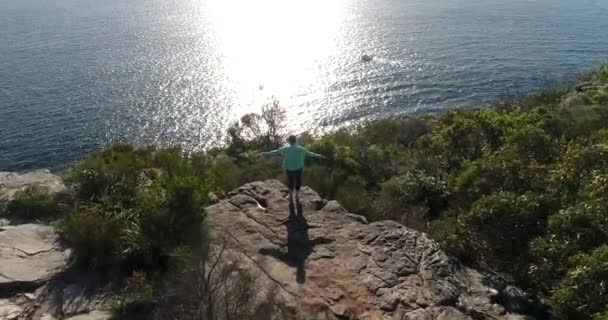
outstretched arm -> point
(273, 152)
(312, 154)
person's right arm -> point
(273, 152)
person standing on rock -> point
(293, 163)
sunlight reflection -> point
(273, 47)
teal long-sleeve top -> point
(293, 156)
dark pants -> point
(294, 180)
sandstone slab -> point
(30, 255)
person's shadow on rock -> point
(299, 246)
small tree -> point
(252, 126)
(274, 116)
(258, 131)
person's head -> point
(292, 139)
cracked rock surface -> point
(11, 182)
(30, 255)
(33, 265)
(330, 264)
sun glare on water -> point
(274, 47)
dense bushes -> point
(32, 203)
(502, 225)
(132, 207)
(582, 291)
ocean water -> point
(77, 74)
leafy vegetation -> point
(132, 207)
(3, 202)
(32, 203)
(136, 301)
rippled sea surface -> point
(76, 74)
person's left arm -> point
(273, 152)
(312, 154)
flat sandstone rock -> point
(30, 254)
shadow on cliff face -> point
(299, 246)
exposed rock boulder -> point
(30, 255)
(34, 281)
(330, 264)
(11, 182)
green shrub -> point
(144, 202)
(113, 173)
(224, 174)
(460, 137)
(257, 131)
(166, 215)
(353, 195)
(547, 97)
(532, 143)
(3, 202)
(136, 301)
(32, 203)
(413, 198)
(601, 316)
(578, 229)
(389, 131)
(601, 75)
(456, 239)
(256, 168)
(583, 292)
(600, 97)
(381, 162)
(503, 224)
(323, 179)
(94, 236)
